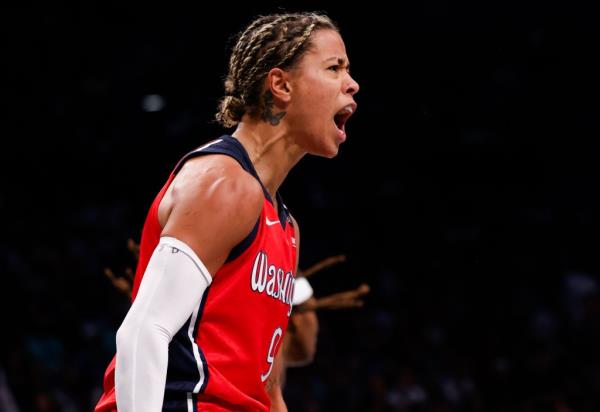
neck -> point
(272, 150)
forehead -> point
(326, 44)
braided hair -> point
(276, 40)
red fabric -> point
(248, 303)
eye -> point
(334, 68)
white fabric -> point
(171, 291)
(302, 291)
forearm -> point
(277, 403)
(276, 397)
(302, 340)
(141, 367)
(275, 383)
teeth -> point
(347, 109)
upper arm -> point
(213, 205)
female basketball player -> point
(213, 288)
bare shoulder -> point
(216, 178)
(212, 205)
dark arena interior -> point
(467, 196)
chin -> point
(328, 152)
(334, 153)
(334, 148)
(325, 147)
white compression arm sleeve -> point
(170, 292)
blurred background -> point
(466, 196)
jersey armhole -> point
(244, 244)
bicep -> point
(212, 212)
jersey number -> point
(271, 355)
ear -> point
(278, 83)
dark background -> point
(466, 196)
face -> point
(322, 93)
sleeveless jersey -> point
(222, 356)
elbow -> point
(125, 360)
(126, 338)
(301, 340)
(310, 352)
(135, 333)
(307, 353)
(298, 360)
(132, 334)
(301, 353)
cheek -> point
(320, 102)
(314, 104)
(316, 91)
(312, 101)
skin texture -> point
(300, 105)
(322, 85)
(309, 95)
(214, 182)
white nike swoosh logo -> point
(271, 222)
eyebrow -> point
(340, 60)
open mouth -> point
(343, 115)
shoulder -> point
(213, 205)
(217, 180)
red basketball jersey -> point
(221, 358)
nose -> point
(351, 86)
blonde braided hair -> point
(276, 40)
